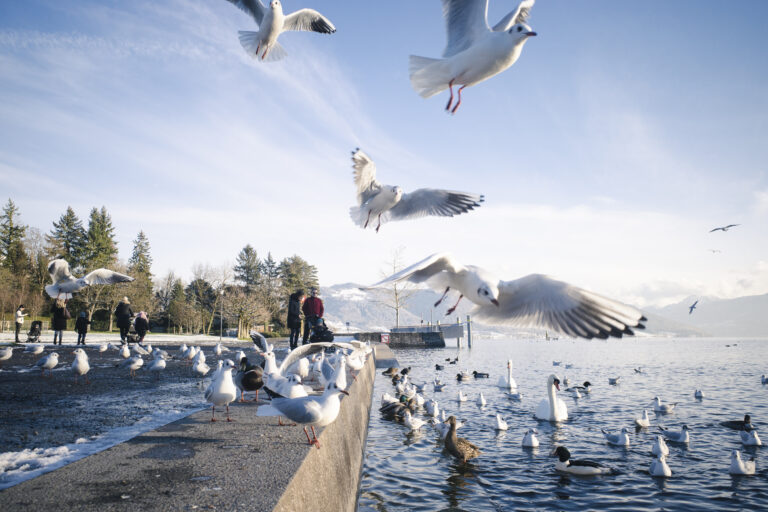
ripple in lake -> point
(411, 472)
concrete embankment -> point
(250, 464)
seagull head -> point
(274, 4)
(521, 32)
(488, 292)
(398, 192)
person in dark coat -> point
(123, 312)
(313, 312)
(81, 326)
(294, 317)
(141, 325)
(59, 320)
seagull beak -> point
(343, 391)
(530, 33)
(495, 302)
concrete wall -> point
(329, 478)
(406, 339)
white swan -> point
(552, 408)
(506, 381)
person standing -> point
(313, 312)
(20, 314)
(81, 326)
(141, 325)
(59, 320)
(123, 312)
(294, 317)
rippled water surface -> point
(412, 472)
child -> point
(81, 326)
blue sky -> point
(606, 153)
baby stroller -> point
(133, 336)
(320, 332)
(34, 331)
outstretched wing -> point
(302, 351)
(423, 270)
(365, 176)
(260, 342)
(105, 276)
(59, 270)
(439, 203)
(540, 301)
(308, 20)
(252, 7)
(519, 15)
(465, 22)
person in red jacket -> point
(313, 311)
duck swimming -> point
(745, 424)
(480, 375)
(578, 467)
(458, 446)
(552, 408)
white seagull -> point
(660, 468)
(662, 408)
(620, 439)
(739, 466)
(34, 349)
(677, 437)
(660, 448)
(644, 421)
(411, 422)
(475, 51)
(272, 22)
(501, 424)
(222, 390)
(532, 301)
(80, 365)
(133, 364)
(724, 228)
(750, 438)
(65, 284)
(530, 440)
(6, 353)
(384, 203)
(157, 365)
(48, 362)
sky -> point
(622, 135)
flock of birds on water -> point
(409, 400)
(324, 364)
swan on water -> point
(552, 408)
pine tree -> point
(248, 268)
(296, 273)
(140, 261)
(12, 255)
(140, 268)
(67, 238)
(100, 244)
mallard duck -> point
(458, 446)
(390, 372)
(249, 378)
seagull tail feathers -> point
(250, 42)
(54, 292)
(359, 216)
(428, 76)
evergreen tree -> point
(296, 273)
(248, 268)
(12, 255)
(140, 261)
(67, 238)
(100, 244)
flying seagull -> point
(387, 202)
(475, 51)
(692, 306)
(531, 301)
(724, 228)
(272, 22)
(65, 284)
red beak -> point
(495, 302)
(342, 391)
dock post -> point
(469, 332)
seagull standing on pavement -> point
(475, 51)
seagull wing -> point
(260, 341)
(365, 176)
(466, 21)
(59, 270)
(252, 7)
(105, 276)
(422, 271)
(308, 20)
(439, 203)
(519, 15)
(301, 410)
(302, 351)
(540, 301)
(731, 226)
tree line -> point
(253, 292)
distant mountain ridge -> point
(368, 311)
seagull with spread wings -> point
(693, 306)
(475, 52)
(386, 202)
(724, 228)
(531, 301)
(65, 284)
(272, 22)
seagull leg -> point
(257, 396)
(458, 102)
(367, 219)
(213, 413)
(242, 396)
(258, 47)
(444, 294)
(315, 441)
(309, 441)
(228, 418)
(263, 55)
(454, 306)
(450, 100)
(377, 227)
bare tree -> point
(395, 297)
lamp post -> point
(221, 315)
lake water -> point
(412, 472)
